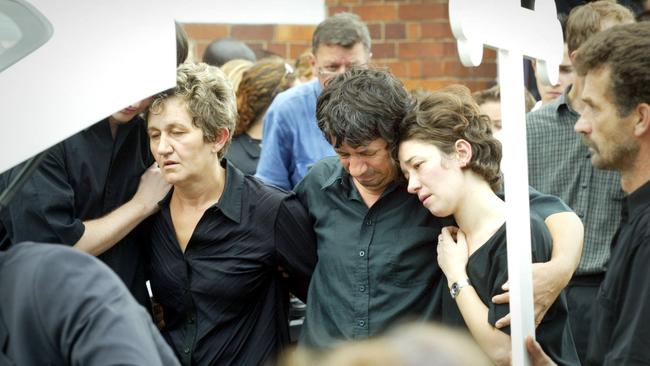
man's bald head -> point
(223, 50)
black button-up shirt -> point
(375, 266)
(224, 301)
(621, 325)
(82, 178)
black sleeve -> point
(44, 209)
(631, 331)
(295, 243)
(498, 276)
(540, 243)
(142, 234)
(546, 205)
(91, 317)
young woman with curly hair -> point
(451, 161)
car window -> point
(23, 29)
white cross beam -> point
(514, 32)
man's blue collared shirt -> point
(292, 141)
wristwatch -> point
(454, 290)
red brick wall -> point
(411, 37)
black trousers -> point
(581, 294)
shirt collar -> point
(636, 202)
(317, 87)
(562, 102)
(339, 176)
(230, 201)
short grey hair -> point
(342, 29)
(209, 98)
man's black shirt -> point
(82, 178)
(59, 306)
(621, 325)
(224, 301)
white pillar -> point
(514, 32)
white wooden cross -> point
(514, 32)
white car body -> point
(104, 55)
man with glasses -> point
(292, 140)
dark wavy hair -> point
(362, 105)
(258, 87)
(448, 115)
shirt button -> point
(362, 323)
(581, 215)
(584, 185)
(362, 288)
(362, 253)
(190, 320)
(186, 350)
(368, 222)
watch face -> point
(454, 289)
(457, 286)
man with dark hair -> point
(559, 165)
(615, 125)
(223, 50)
(292, 140)
(376, 252)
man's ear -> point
(642, 124)
(463, 152)
(312, 64)
(572, 56)
(222, 138)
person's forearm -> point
(567, 233)
(101, 234)
(495, 343)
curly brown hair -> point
(447, 115)
(258, 87)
